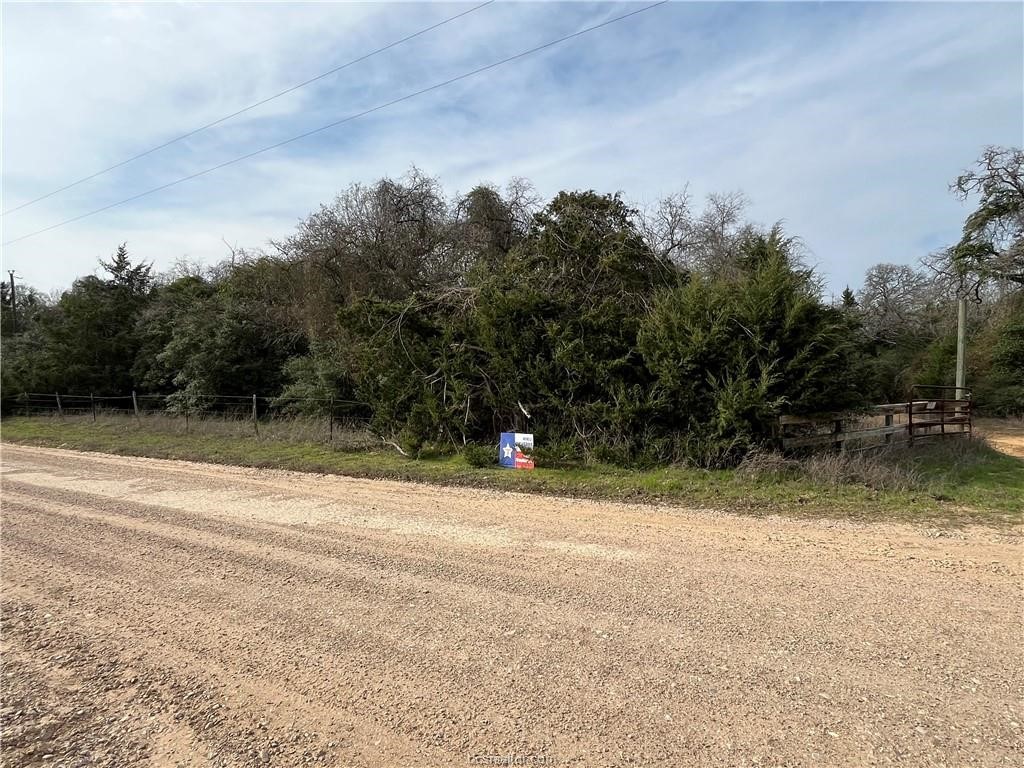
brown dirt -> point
(1006, 435)
(167, 613)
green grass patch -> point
(953, 483)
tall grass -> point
(899, 467)
(347, 434)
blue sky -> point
(845, 120)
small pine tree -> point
(135, 277)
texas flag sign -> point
(510, 454)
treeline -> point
(615, 334)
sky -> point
(846, 121)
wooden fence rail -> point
(923, 417)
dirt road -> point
(1006, 435)
(167, 613)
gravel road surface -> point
(170, 613)
(1006, 435)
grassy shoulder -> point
(950, 486)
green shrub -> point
(480, 455)
(730, 354)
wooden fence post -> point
(910, 421)
(60, 408)
(135, 407)
(888, 423)
(92, 406)
(255, 425)
(330, 429)
(837, 429)
(186, 419)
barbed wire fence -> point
(336, 422)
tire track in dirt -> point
(426, 679)
(286, 619)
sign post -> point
(510, 450)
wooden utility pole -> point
(14, 304)
(961, 346)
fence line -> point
(284, 401)
(948, 413)
(321, 419)
(919, 418)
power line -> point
(260, 103)
(336, 123)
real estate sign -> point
(511, 453)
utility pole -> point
(961, 344)
(14, 305)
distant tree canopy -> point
(628, 336)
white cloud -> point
(847, 123)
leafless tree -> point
(897, 299)
(669, 227)
(488, 223)
(708, 242)
(382, 240)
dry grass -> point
(348, 434)
(893, 468)
(883, 470)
